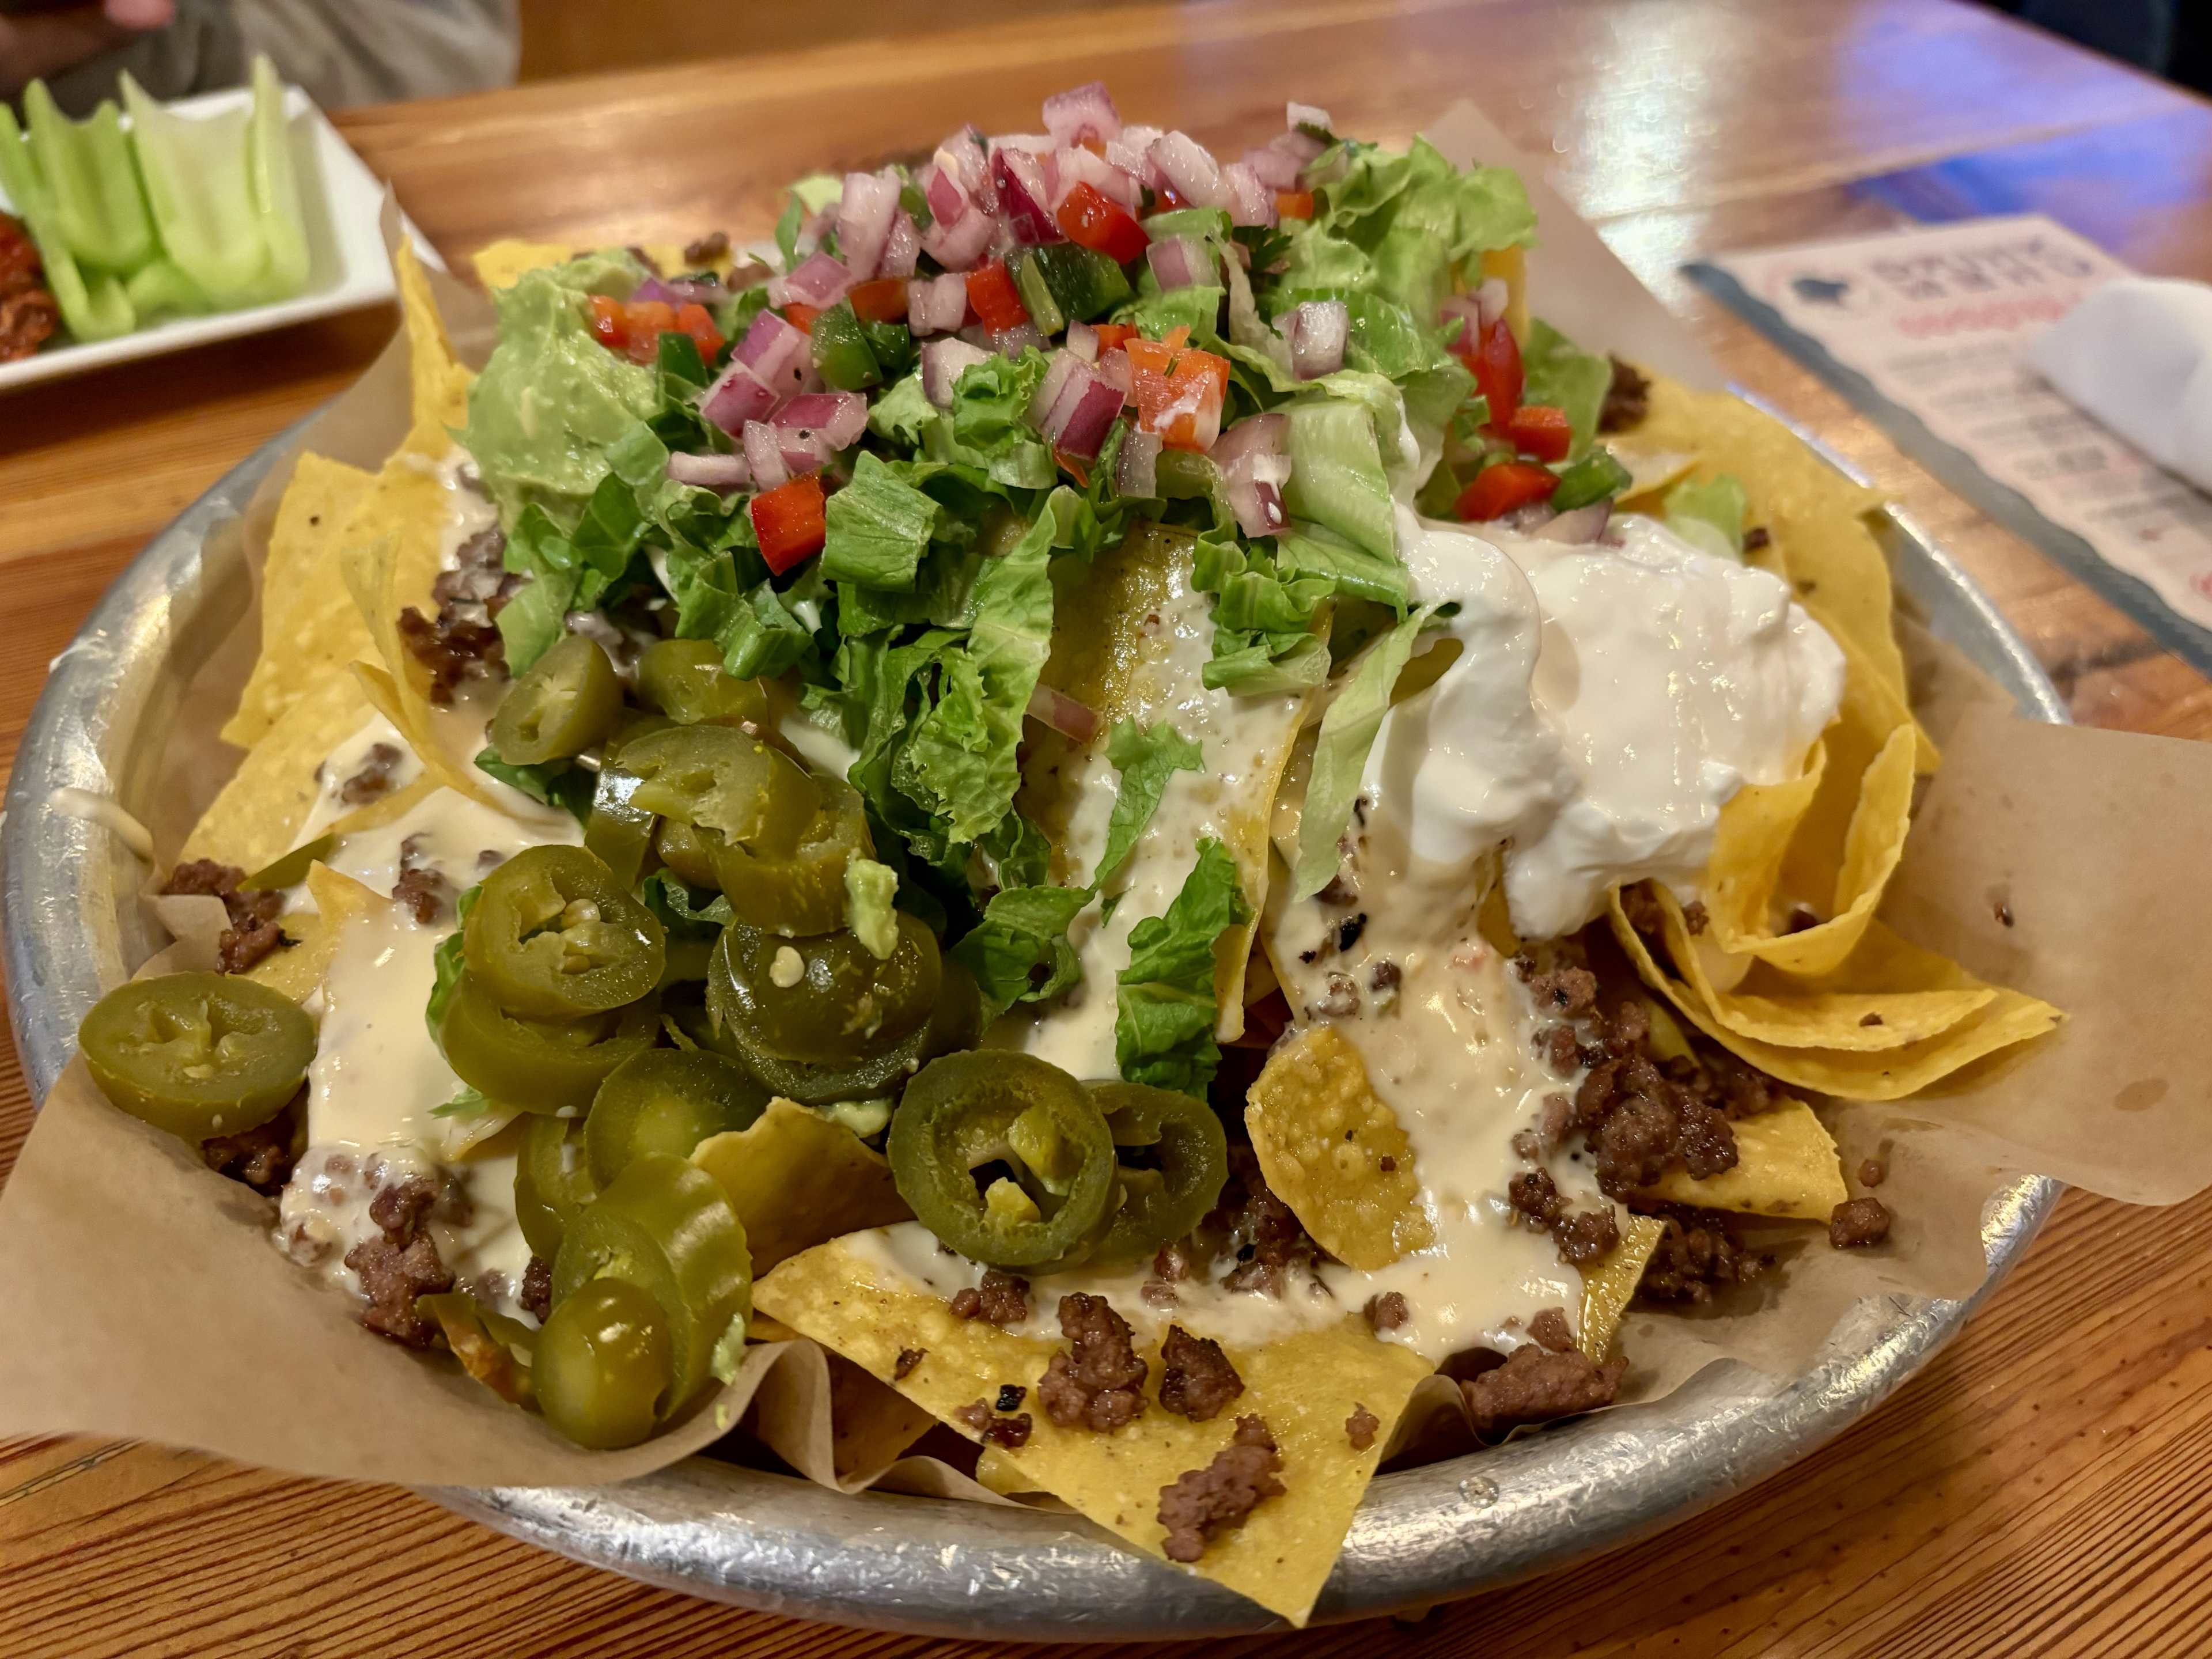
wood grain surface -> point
(2040, 1489)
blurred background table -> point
(2040, 1489)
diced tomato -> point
(801, 317)
(1294, 204)
(1167, 198)
(1093, 221)
(1541, 430)
(789, 522)
(1074, 466)
(883, 300)
(699, 323)
(635, 329)
(1495, 359)
(1178, 393)
(992, 294)
(1112, 336)
(1497, 490)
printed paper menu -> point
(1939, 320)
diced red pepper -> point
(1294, 204)
(1495, 360)
(992, 294)
(1541, 430)
(883, 300)
(1112, 336)
(1094, 221)
(801, 317)
(790, 523)
(1074, 466)
(1178, 393)
(1497, 490)
(1176, 338)
(635, 329)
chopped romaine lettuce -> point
(1164, 1008)
(1347, 732)
(1709, 515)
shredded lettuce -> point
(903, 414)
(1560, 373)
(1164, 1009)
(678, 907)
(555, 783)
(446, 965)
(1019, 952)
(809, 196)
(879, 526)
(1347, 732)
(1147, 757)
(1709, 515)
(1336, 475)
(1308, 550)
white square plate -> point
(347, 269)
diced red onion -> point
(1085, 425)
(1074, 166)
(1181, 262)
(1465, 305)
(1307, 115)
(1301, 148)
(963, 245)
(1135, 470)
(1022, 196)
(1012, 342)
(717, 472)
(901, 249)
(863, 222)
(764, 455)
(1064, 367)
(936, 305)
(1113, 369)
(976, 334)
(840, 417)
(1132, 154)
(818, 279)
(1190, 168)
(1492, 298)
(1255, 434)
(1258, 505)
(1083, 341)
(1081, 112)
(943, 363)
(777, 354)
(675, 291)
(736, 397)
(1528, 521)
(1076, 721)
(804, 450)
(1277, 169)
(965, 151)
(1250, 201)
(942, 189)
(1317, 330)
(1579, 527)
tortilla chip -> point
(1304, 1386)
(1131, 624)
(257, 816)
(1650, 473)
(438, 381)
(1881, 1074)
(795, 1179)
(1609, 1284)
(1322, 1136)
(310, 630)
(1754, 832)
(1786, 1167)
(996, 1472)
(299, 971)
(501, 264)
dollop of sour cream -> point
(1607, 702)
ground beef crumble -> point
(261, 1159)
(254, 932)
(1196, 1378)
(1587, 1235)
(1201, 1503)
(462, 642)
(401, 1265)
(713, 246)
(1099, 1382)
(908, 1360)
(1549, 1329)
(1536, 1384)
(1857, 1222)
(1697, 1256)
(1360, 1428)
(373, 780)
(537, 1293)
(1255, 1226)
(1627, 398)
(1002, 1300)
(1011, 1433)
(1387, 1312)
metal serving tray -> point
(772, 1542)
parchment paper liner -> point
(148, 1301)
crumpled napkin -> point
(2136, 355)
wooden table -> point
(2038, 1489)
